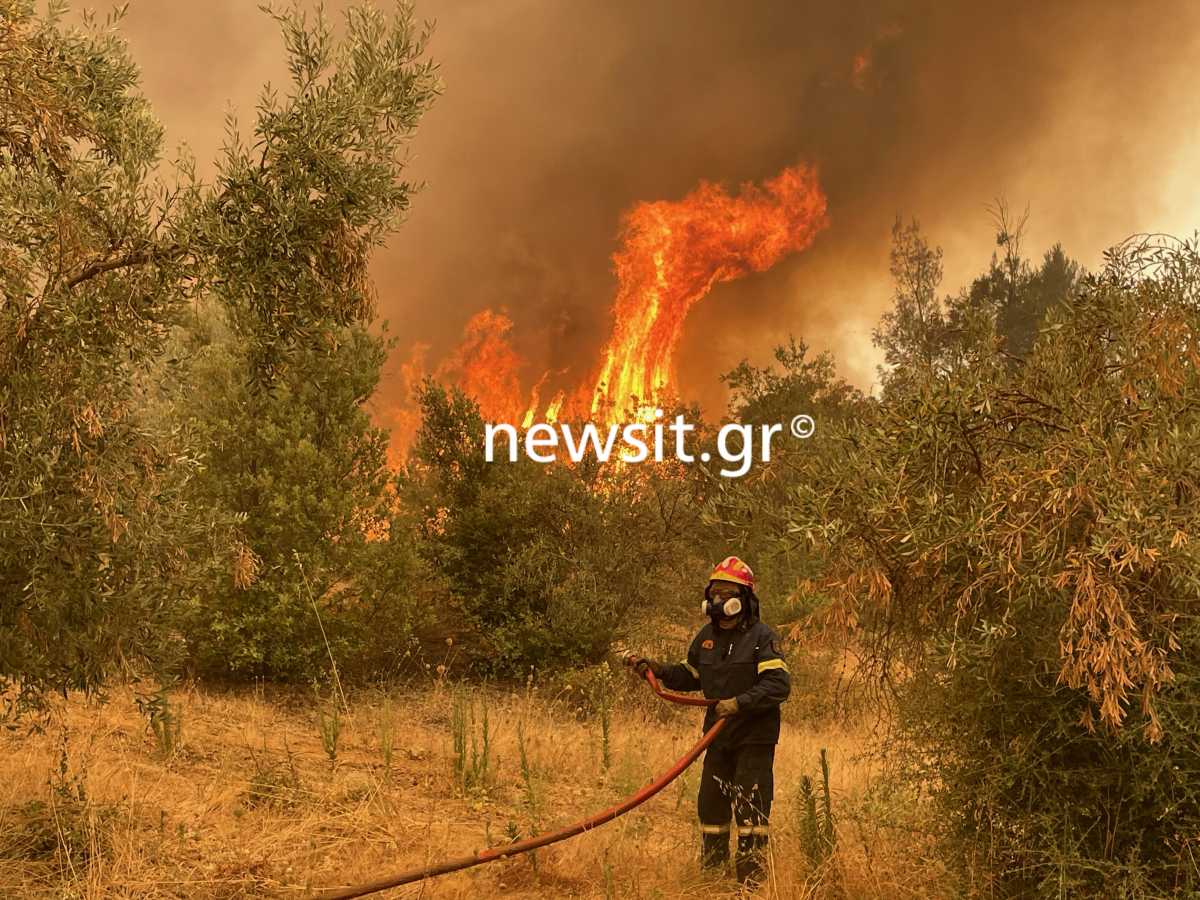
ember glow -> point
(672, 253)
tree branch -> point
(133, 258)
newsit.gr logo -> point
(736, 444)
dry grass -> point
(250, 804)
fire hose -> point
(507, 851)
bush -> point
(1032, 801)
(327, 566)
(747, 516)
(545, 562)
(1014, 547)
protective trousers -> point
(738, 781)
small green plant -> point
(601, 694)
(610, 882)
(65, 786)
(685, 788)
(531, 795)
(472, 748)
(629, 772)
(606, 737)
(329, 723)
(818, 836)
(530, 798)
(164, 720)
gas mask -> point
(720, 606)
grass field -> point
(274, 794)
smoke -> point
(559, 116)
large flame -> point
(486, 367)
(673, 252)
(671, 255)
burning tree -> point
(672, 253)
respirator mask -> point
(721, 606)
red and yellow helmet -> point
(733, 569)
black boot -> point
(751, 857)
(714, 847)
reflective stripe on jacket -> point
(743, 662)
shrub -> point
(818, 831)
(275, 783)
(1014, 546)
(545, 562)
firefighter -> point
(736, 660)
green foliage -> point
(606, 737)
(325, 569)
(67, 829)
(926, 337)
(326, 556)
(591, 693)
(275, 783)
(744, 515)
(765, 396)
(531, 797)
(610, 882)
(96, 537)
(544, 561)
(289, 228)
(329, 724)
(576, 689)
(106, 541)
(530, 793)
(1013, 547)
(1015, 293)
(912, 334)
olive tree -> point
(102, 250)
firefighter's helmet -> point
(733, 569)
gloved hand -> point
(638, 663)
(727, 707)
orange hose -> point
(676, 698)
(509, 850)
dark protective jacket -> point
(743, 662)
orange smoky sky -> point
(558, 117)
